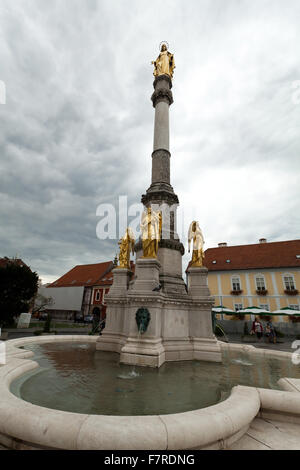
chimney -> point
(222, 244)
(262, 240)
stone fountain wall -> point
(180, 326)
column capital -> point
(162, 90)
(161, 78)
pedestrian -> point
(270, 332)
(257, 328)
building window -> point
(238, 307)
(260, 283)
(294, 306)
(265, 307)
(289, 282)
(97, 295)
(236, 284)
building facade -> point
(81, 290)
(263, 275)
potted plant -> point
(291, 292)
(236, 292)
(261, 291)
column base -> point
(149, 353)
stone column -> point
(161, 121)
(160, 195)
(162, 98)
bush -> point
(37, 332)
(18, 286)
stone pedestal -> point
(197, 282)
(146, 274)
(114, 335)
(121, 282)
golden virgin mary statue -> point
(195, 234)
(151, 227)
(164, 64)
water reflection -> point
(76, 377)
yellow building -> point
(263, 275)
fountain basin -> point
(24, 425)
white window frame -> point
(260, 276)
(293, 280)
(239, 303)
(98, 295)
(294, 305)
(265, 306)
(239, 280)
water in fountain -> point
(132, 374)
(77, 378)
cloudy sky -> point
(77, 127)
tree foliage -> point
(41, 303)
(18, 286)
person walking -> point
(270, 332)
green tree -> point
(18, 286)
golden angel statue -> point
(151, 228)
(164, 64)
(195, 234)
(126, 245)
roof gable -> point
(256, 256)
(84, 275)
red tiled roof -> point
(85, 275)
(259, 255)
(106, 280)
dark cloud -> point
(78, 124)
